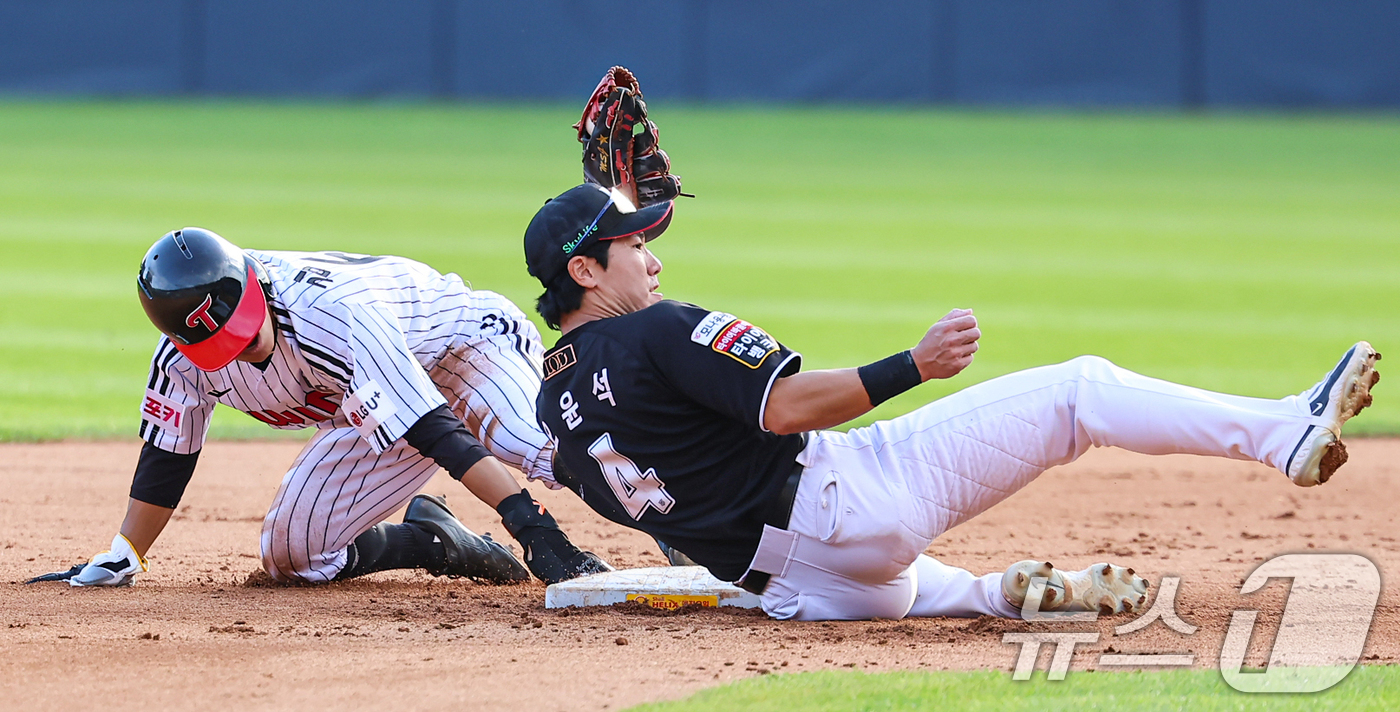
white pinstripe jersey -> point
(355, 337)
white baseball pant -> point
(338, 487)
(872, 500)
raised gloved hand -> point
(548, 552)
(620, 142)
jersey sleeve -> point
(388, 389)
(718, 359)
(174, 411)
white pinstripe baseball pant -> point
(338, 487)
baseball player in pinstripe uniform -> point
(401, 370)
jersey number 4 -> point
(636, 490)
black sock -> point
(393, 546)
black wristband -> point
(889, 377)
(520, 512)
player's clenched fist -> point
(948, 346)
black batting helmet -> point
(204, 293)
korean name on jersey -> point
(659, 415)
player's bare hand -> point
(948, 346)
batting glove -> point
(117, 567)
(548, 552)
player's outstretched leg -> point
(945, 591)
(1344, 392)
(1102, 587)
(964, 453)
(879, 495)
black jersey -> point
(659, 414)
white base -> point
(660, 586)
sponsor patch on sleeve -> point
(708, 327)
(367, 407)
(735, 338)
(162, 412)
(559, 360)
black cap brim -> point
(650, 222)
(582, 216)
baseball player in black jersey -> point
(700, 429)
(391, 362)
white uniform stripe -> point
(361, 467)
(338, 375)
(353, 460)
(157, 370)
(329, 316)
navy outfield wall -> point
(1144, 53)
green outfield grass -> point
(1366, 688)
(1239, 253)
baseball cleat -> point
(1104, 588)
(1336, 399)
(468, 555)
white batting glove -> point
(117, 567)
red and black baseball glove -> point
(620, 143)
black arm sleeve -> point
(161, 476)
(441, 436)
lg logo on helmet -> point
(201, 315)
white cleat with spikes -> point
(1104, 588)
(1335, 399)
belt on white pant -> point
(775, 547)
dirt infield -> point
(200, 628)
